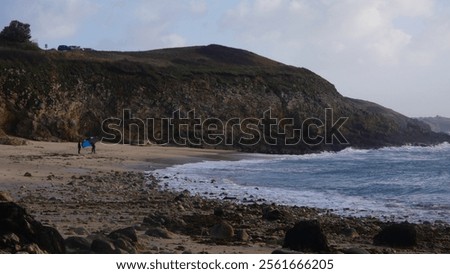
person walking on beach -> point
(93, 147)
(79, 147)
(92, 141)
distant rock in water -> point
(231, 98)
(19, 232)
(306, 236)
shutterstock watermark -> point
(186, 128)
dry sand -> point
(55, 169)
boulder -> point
(77, 244)
(219, 212)
(15, 220)
(306, 236)
(49, 239)
(403, 235)
(271, 214)
(222, 231)
(128, 233)
(125, 246)
(159, 219)
(159, 232)
(12, 141)
(103, 246)
(242, 235)
(120, 241)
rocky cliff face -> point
(210, 96)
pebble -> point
(5, 197)
(122, 201)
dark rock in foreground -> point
(19, 232)
(402, 235)
(306, 236)
(76, 244)
(128, 233)
(103, 246)
(120, 241)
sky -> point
(392, 52)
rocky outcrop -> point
(209, 96)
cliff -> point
(206, 96)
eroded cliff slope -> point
(196, 96)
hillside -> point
(205, 96)
(437, 124)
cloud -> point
(370, 49)
(364, 27)
(198, 6)
(154, 23)
(53, 19)
(172, 23)
(174, 40)
(108, 24)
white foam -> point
(219, 179)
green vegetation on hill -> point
(17, 35)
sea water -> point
(402, 183)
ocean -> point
(396, 183)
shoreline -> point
(91, 194)
(216, 181)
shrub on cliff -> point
(17, 34)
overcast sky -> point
(392, 52)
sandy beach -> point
(87, 194)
